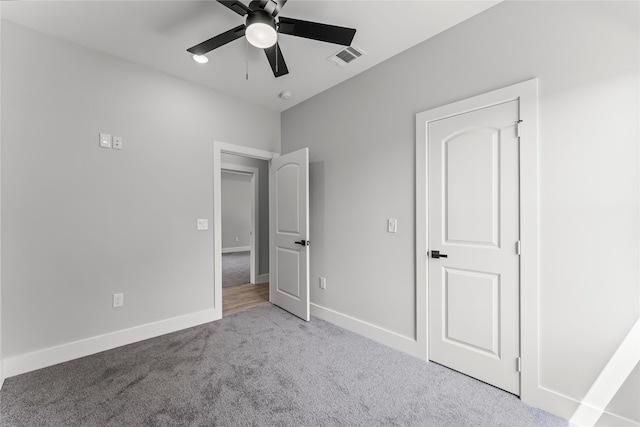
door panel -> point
(288, 265)
(474, 318)
(288, 209)
(471, 173)
(289, 216)
(476, 327)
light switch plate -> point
(202, 224)
(392, 225)
(117, 142)
(105, 140)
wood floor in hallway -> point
(243, 297)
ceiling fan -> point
(261, 28)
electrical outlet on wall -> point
(105, 140)
(323, 283)
(118, 300)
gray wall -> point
(236, 210)
(263, 202)
(81, 222)
(1, 369)
(361, 136)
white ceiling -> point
(156, 34)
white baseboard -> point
(23, 363)
(565, 407)
(262, 278)
(609, 419)
(546, 399)
(236, 249)
(376, 333)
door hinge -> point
(518, 364)
(518, 248)
(518, 128)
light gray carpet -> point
(261, 367)
(235, 268)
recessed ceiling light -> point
(200, 59)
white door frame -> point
(255, 217)
(527, 94)
(219, 148)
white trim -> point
(219, 148)
(262, 278)
(610, 379)
(564, 406)
(254, 238)
(20, 364)
(527, 94)
(376, 333)
(236, 249)
(609, 419)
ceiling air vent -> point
(346, 55)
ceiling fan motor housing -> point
(272, 7)
(260, 17)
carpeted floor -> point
(235, 268)
(261, 367)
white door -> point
(474, 316)
(289, 217)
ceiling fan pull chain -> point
(246, 58)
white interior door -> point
(289, 217)
(474, 314)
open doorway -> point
(238, 227)
(244, 232)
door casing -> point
(527, 94)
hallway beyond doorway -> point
(236, 268)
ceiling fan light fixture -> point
(200, 59)
(261, 29)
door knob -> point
(437, 254)
(303, 243)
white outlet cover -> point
(202, 224)
(105, 140)
(118, 300)
(117, 142)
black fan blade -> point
(276, 60)
(316, 31)
(217, 41)
(279, 6)
(236, 6)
